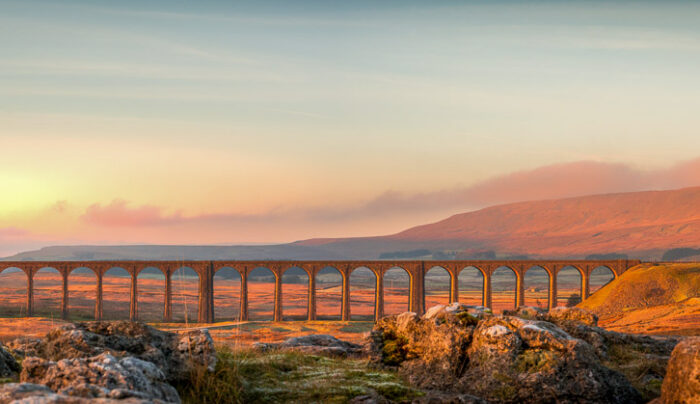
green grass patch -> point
(272, 377)
(357, 327)
(535, 360)
(644, 372)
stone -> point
(440, 340)
(406, 320)
(473, 354)
(101, 376)
(8, 365)
(682, 382)
(433, 311)
(573, 314)
(30, 393)
(441, 397)
(316, 344)
(175, 354)
(25, 346)
(17, 391)
(372, 398)
(544, 335)
(530, 312)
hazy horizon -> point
(268, 122)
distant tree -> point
(517, 257)
(404, 254)
(478, 255)
(675, 254)
(444, 255)
(573, 300)
(608, 256)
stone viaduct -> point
(415, 269)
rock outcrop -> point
(101, 376)
(119, 361)
(8, 364)
(29, 393)
(174, 354)
(682, 382)
(536, 357)
(316, 344)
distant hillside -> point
(651, 299)
(174, 252)
(640, 224)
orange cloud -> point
(11, 232)
(548, 182)
(119, 214)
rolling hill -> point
(641, 224)
(638, 224)
(651, 299)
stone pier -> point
(205, 270)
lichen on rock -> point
(528, 357)
(101, 376)
(314, 344)
(8, 365)
(682, 381)
(174, 354)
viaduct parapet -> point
(207, 269)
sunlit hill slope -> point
(651, 299)
(642, 224)
(639, 224)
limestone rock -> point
(174, 354)
(441, 397)
(682, 382)
(314, 344)
(24, 346)
(101, 376)
(530, 312)
(439, 342)
(462, 351)
(573, 314)
(8, 364)
(29, 393)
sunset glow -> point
(170, 123)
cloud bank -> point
(547, 182)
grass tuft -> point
(250, 376)
(645, 372)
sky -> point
(209, 122)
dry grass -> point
(651, 299)
(246, 376)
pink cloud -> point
(393, 210)
(12, 232)
(119, 214)
(547, 182)
(59, 206)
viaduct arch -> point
(206, 270)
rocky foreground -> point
(455, 353)
(466, 354)
(104, 362)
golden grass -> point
(651, 299)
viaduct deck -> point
(415, 269)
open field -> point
(680, 317)
(82, 291)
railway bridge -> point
(207, 269)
